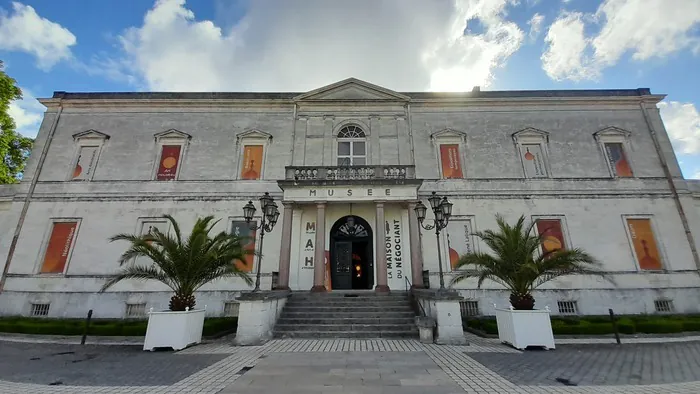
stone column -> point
(382, 281)
(416, 258)
(286, 246)
(320, 249)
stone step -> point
(345, 320)
(310, 296)
(343, 327)
(347, 334)
(343, 303)
(367, 309)
(345, 314)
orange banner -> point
(169, 157)
(552, 234)
(327, 275)
(644, 244)
(449, 158)
(252, 162)
(59, 247)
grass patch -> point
(213, 326)
(601, 325)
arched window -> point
(351, 146)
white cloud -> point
(535, 25)
(282, 45)
(26, 31)
(565, 57)
(682, 122)
(27, 113)
(643, 28)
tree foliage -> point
(517, 264)
(14, 148)
(182, 264)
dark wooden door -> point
(342, 266)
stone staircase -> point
(356, 314)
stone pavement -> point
(350, 366)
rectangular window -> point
(231, 309)
(567, 307)
(252, 162)
(663, 306)
(552, 234)
(644, 244)
(135, 310)
(617, 159)
(169, 162)
(40, 309)
(459, 239)
(243, 229)
(85, 163)
(59, 247)
(469, 308)
(533, 161)
(449, 161)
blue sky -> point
(405, 45)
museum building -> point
(347, 163)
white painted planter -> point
(176, 330)
(525, 328)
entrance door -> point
(351, 254)
(341, 277)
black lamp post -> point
(442, 210)
(269, 217)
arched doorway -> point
(351, 257)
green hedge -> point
(601, 325)
(101, 327)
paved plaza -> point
(351, 366)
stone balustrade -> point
(315, 173)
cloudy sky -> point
(404, 45)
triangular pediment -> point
(612, 131)
(448, 134)
(90, 134)
(172, 133)
(351, 89)
(253, 134)
(531, 133)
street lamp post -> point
(442, 210)
(269, 217)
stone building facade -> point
(347, 163)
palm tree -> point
(184, 265)
(517, 265)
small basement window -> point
(40, 309)
(136, 310)
(663, 306)
(231, 309)
(469, 308)
(567, 307)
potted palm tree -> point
(184, 265)
(518, 264)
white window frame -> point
(564, 228)
(142, 221)
(659, 245)
(444, 238)
(87, 138)
(532, 136)
(450, 137)
(614, 135)
(252, 137)
(352, 141)
(45, 244)
(170, 137)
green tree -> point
(14, 148)
(517, 264)
(184, 265)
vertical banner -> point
(243, 229)
(327, 272)
(85, 165)
(553, 236)
(397, 262)
(644, 244)
(59, 247)
(449, 159)
(618, 160)
(252, 162)
(533, 160)
(460, 240)
(169, 158)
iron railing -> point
(313, 173)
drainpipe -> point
(28, 196)
(672, 185)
